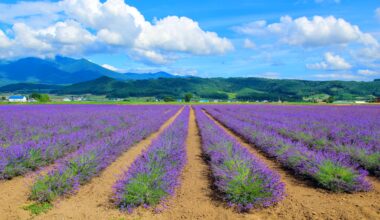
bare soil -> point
(194, 199)
(93, 200)
(305, 201)
(14, 194)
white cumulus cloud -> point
(69, 32)
(35, 13)
(331, 62)
(115, 22)
(181, 34)
(84, 26)
(30, 39)
(314, 32)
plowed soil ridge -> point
(91, 199)
(14, 193)
(193, 198)
(305, 202)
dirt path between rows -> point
(303, 201)
(193, 198)
(92, 201)
(13, 196)
(14, 193)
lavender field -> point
(144, 160)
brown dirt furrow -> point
(193, 198)
(92, 201)
(305, 201)
(14, 194)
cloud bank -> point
(315, 35)
(315, 32)
(331, 62)
(72, 27)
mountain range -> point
(62, 70)
(227, 88)
(65, 76)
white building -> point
(79, 99)
(360, 102)
(17, 98)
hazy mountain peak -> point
(63, 70)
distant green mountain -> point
(62, 70)
(79, 66)
(223, 88)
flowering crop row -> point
(322, 128)
(330, 170)
(24, 123)
(91, 159)
(154, 175)
(243, 180)
(29, 155)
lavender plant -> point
(330, 170)
(244, 181)
(154, 175)
(23, 155)
(91, 159)
(329, 129)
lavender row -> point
(90, 160)
(344, 125)
(357, 126)
(20, 124)
(244, 181)
(329, 170)
(316, 133)
(17, 160)
(154, 175)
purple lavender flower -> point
(330, 169)
(243, 180)
(154, 175)
(94, 156)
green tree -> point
(330, 99)
(40, 97)
(168, 99)
(3, 98)
(45, 98)
(35, 96)
(188, 97)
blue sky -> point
(301, 39)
